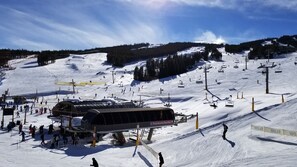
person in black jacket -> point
(225, 131)
(33, 132)
(161, 159)
(42, 138)
(95, 163)
(23, 135)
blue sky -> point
(84, 24)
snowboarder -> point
(225, 131)
(161, 159)
(95, 163)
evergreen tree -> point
(136, 73)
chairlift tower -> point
(205, 72)
(112, 73)
(73, 86)
(267, 66)
(246, 60)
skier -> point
(95, 163)
(161, 159)
(225, 131)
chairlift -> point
(278, 71)
(221, 70)
(167, 105)
(199, 82)
(181, 84)
(223, 66)
(229, 103)
(214, 105)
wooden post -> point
(94, 137)
(241, 95)
(283, 100)
(137, 137)
(197, 123)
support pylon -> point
(253, 105)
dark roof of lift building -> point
(80, 108)
(119, 119)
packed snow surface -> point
(181, 145)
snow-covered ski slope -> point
(181, 145)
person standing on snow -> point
(50, 129)
(20, 128)
(33, 132)
(225, 131)
(41, 129)
(95, 163)
(30, 128)
(42, 138)
(23, 136)
(161, 159)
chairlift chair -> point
(229, 103)
(181, 84)
(199, 82)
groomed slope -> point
(180, 145)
